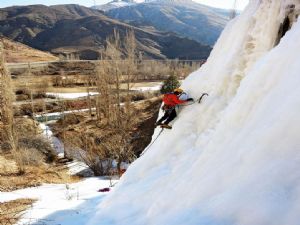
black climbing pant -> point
(169, 115)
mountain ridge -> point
(183, 17)
(64, 29)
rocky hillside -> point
(23, 23)
(184, 17)
(76, 29)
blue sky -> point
(216, 3)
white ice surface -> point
(235, 158)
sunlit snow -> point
(66, 204)
(235, 158)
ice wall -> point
(235, 158)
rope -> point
(146, 149)
(199, 101)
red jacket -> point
(172, 100)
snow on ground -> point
(57, 115)
(77, 167)
(234, 159)
(64, 204)
(143, 89)
(56, 143)
(76, 95)
(71, 95)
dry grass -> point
(10, 212)
(7, 166)
(11, 180)
(16, 52)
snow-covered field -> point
(71, 95)
(143, 89)
(65, 204)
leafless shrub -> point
(40, 144)
(139, 96)
(31, 157)
(161, 69)
(10, 212)
(88, 149)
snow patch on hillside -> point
(115, 4)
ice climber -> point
(171, 100)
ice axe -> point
(200, 99)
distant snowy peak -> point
(116, 4)
(170, 1)
(123, 3)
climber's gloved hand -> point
(190, 99)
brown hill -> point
(76, 29)
(19, 53)
(186, 18)
(86, 36)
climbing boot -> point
(157, 124)
(165, 126)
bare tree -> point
(113, 53)
(7, 97)
(103, 82)
(118, 119)
(29, 74)
(131, 65)
(120, 145)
